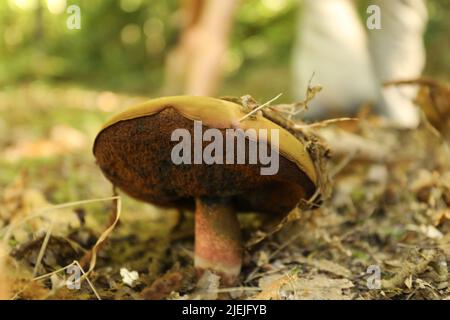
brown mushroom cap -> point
(134, 152)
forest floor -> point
(384, 233)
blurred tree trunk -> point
(38, 32)
(194, 66)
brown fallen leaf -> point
(326, 265)
(316, 287)
(161, 288)
(271, 286)
(323, 288)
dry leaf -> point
(323, 288)
(408, 282)
(162, 287)
(317, 287)
(271, 286)
(428, 230)
(327, 265)
(410, 268)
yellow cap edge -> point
(221, 114)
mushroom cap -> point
(133, 149)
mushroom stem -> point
(218, 244)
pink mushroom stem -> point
(218, 245)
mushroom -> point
(134, 148)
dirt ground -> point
(384, 232)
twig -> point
(420, 81)
(225, 290)
(260, 107)
(323, 123)
(85, 276)
(43, 248)
(75, 262)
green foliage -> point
(122, 44)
